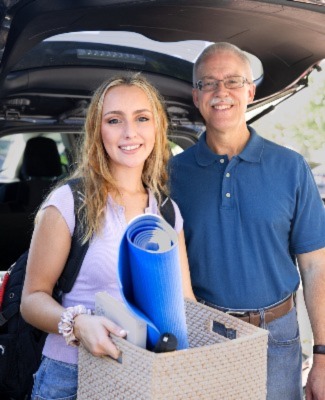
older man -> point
(251, 211)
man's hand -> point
(315, 388)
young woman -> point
(123, 170)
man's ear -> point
(251, 93)
(195, 97)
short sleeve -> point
(62, 199)
(308, 225)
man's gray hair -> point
(220, 47)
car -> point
(53, 54)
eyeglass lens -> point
(232, 82)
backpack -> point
(21, 344)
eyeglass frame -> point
(217, 81)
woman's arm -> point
(186, 277)
(48, 254)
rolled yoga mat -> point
(149, 275)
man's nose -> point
(220, 86)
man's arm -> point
(312, 269)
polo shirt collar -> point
(254, 148)
(251, 153)
(204, 155)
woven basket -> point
(213, 368)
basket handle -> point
(223, 330)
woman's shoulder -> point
(62, 198)
(60, 193)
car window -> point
(4, 146)
(124, 50)
(12, 148)
(11, 152)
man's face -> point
(223, 109)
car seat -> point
(41, 169)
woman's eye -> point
(143, 119)
(113, 121)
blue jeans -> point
(55, 380)
(284, 360)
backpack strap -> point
(78, 249)
(167, 210)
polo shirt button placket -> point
(227, 200)
(228, 176)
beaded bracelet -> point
(66, 323)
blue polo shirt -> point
(245, 219)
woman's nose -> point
(130, 131)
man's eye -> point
(232, 81)
(208, 84)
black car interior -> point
(41, 169)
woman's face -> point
(127, 128)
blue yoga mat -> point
(150, 280)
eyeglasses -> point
(232, 82)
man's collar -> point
(203, 154)
(253, 150)
(251, 153)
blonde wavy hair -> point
(93, 160)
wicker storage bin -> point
(213, 368)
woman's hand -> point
(94, 333)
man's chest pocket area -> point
(269, 209)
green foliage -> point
(299, 122)
(312, 128)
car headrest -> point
(41, 159)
